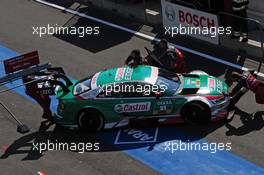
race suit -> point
(239, 8)
(247, 81)
(33, 91)
(171, 59)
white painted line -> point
(117, 137)
(142, 35)
(152, 12)
(254, 43)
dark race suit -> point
(239, 8)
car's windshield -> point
(82, 86)
(169, 80)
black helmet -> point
(164, 41)
(136, 52)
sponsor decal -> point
(198, 83)
(118, 108)
(219, 86)
(211, 83)
(94, 80)
(188, 82)
(163, 107)
(119, 74)
(132, 107)
(154, 76)
(193, 82)
(167, 102)
(128, 74)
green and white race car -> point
(115, 97)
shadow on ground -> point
(112, 140)
(98, 36)
(250, 123)
(107, 138)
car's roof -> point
(146, 74)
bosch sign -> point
(187, 21)
(195, 20)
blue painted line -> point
(183, 162)
(6, 53)
(165, 162)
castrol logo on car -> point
(132, 107)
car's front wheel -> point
(90, 120)
(196, 113)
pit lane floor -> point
(92, 54)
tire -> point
(90, 120)
(196, 113)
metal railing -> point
(259, 27)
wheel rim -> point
(193, 114)
(92, 123)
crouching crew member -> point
(134, 59)
(246, 81)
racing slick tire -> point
(196, 113)
(90, 120)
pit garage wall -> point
(256, 10)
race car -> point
(115, 97)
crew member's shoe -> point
(47, 115)
(234, 37)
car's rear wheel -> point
(196, 113)
(90, 120)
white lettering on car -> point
(128, 74)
